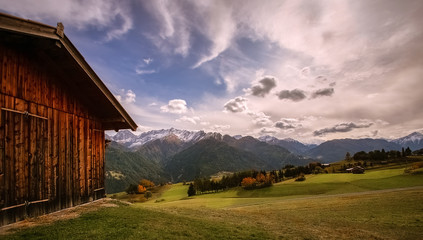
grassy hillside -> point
(335, 150)
(315, 185)
(210, 156)
(124, 167)
(380, 204)
(274, 156)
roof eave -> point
(23, 26)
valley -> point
(172, 155)
(383, 203)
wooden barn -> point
(54, 111)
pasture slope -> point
(380, 204)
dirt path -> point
(64, 214)
(327, 196)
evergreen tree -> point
(408, 151)
(348, 156)
(191, 190)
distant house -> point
(54, 110)
(355, 170)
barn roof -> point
(58, 51)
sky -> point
(311, 70)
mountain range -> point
(177, 155)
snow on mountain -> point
(414, 141)
(130, 140)
(267, 139)
(237, 137)
(124, 137)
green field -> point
(380, 204)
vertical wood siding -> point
(51, 147)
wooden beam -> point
(24, 113)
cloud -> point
(142, 72)
(148, 60)
(217, 25)
(177, 106)
(323, 92)
(192, 120)
(375, 133)
(220, 128)
(126, 96)
(267, 131)
(110, 16)
(260, 118)
(295, 95)
(321, 79)
(287, 123)
(263, 87)
(142, 129)
(239, 104)
(173, 33)
(342, 127)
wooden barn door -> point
(23, 153)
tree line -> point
(379, 155)
(142, 187)
(251, 179)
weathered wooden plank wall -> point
(51, 147)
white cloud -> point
(170, 16)
(141, 128)
(148, 60)
(108, 15)
(126, 96)
(192, 120)
(142, 72)
(260, 119)
(267, 131)
(177, 106)
(219, 27)
(219, 128)
(239, 104)
(205, 123)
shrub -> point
(148, 194)
(300, 178)
(132, 189)
(417, 165)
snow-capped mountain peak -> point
(267, 138)
(130, 140)
(414, 141)
(124, 136)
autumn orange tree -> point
(249, 182)
(141, 189)
(261, 178)
(146, 183)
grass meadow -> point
(380, 204)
